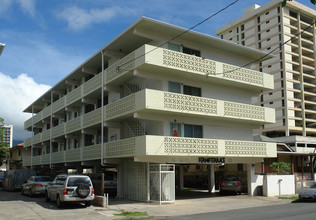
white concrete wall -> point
(254, 181)
(273, 183)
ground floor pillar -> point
(79, 169)
(211, 178)
(251, 179)
(181, 177)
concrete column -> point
(96, 169)
(79, 169)
(251, 179)
(181, 176)
(211, 178)
(120, 179)
(81, 140)
(64, 170)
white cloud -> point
(28, 6)
(78, 18)
(16, 94)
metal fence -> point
(162, 183)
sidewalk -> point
(188, 206)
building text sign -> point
(211, 160)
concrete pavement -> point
(189, 206)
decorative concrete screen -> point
(162, 183)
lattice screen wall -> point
(135, 180)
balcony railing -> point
(75, 155)
(75, 95)
(165, 146)
(147, 100)
(186, 65)
(180, 146)
(81, 122)
(160, 59)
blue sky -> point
(46, 40)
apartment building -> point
(8, 135)
(152, 107)
(289, 33)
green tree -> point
(281, 167)
(3, 146)
(284, 2)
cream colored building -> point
(158, 104)
(266, 28)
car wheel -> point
(59, 203)
(47, 199)
(88, 203)
(83, 190)
(30, 193)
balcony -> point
(178, 146)
(158, 146)
(152, 60)
(81, 122)
(75, 155)
(174, 103)
(75, 95)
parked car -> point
(230, 184)
(35, 185)
(2, 174)
(14, 179)
(308, 194)
(70, 189)
(110, 182)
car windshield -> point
(230, 178)
(75, 181)
(43, 179)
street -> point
(13, 205)
(295, 211)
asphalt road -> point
(295, 210)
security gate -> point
(162, 183)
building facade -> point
(152, 107)
(289, 33)
(8, 135)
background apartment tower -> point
(267, 28)
(8, 135)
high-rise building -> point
(8, 135)
(289, 34)
(153, 107)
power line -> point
(179, 35)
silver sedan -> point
(309, 194)
(35, 185)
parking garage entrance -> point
(195, 180)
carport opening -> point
(194, 180)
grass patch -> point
(291, 198)
(132, 214)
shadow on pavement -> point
(15, 196)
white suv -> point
(70, 188)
